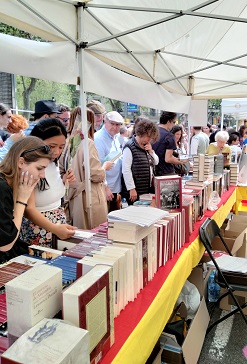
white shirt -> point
(50, 199)
(126, 168)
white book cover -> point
(32, 296)
(122, 295)
(50, 341)
(143, 216)
(109, 249)
(88, 263)
(159, 233)
(152, 255)
(131, 266)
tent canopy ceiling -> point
(185, 47)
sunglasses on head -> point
(44, 148)
(64, 120)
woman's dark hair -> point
(48, 128)
(232, 138)
(175, 129)
(167, 116)
(45, 129)
(241, 130)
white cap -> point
(115, 117)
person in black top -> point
(20, 171)
(166, 145)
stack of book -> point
(226, 180)
(199, 204)
(234, 172)
(218, 184)
(189, 215)
(67, 265)
(50, 341)
(10, 271)
(203, 168)
(219, 164)
(88, 304)
(32, 296)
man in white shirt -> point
(106, 141)
(199, 141)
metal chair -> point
(208, 231)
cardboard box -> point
(227, 302)
(235, 241)
(155, 356)
(190, 351)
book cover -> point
(133, 268)
(145, 260)
(168, 192)
(88, 303)
(32, 296)
(50, 341)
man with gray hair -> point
(99, 110)
(107, 144)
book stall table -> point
(139, 325)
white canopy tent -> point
(187, 47)
(156, 54)
(236, 106)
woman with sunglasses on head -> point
(20, 171)
(44, 215)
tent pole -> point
(81, 62)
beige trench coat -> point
(79, 211)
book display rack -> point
(140, 324)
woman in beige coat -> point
(73, 158)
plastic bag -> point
(191, 298)
(214, 200)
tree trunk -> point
(27, 93)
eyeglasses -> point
(64, 120)
(45, 148)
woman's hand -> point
(108, 165)
(133, 195)
(64, 231)
(148, 148)
(109, 194)
(26, 186)
(69, 177)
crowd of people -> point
(42, 166)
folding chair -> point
(208, 230)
